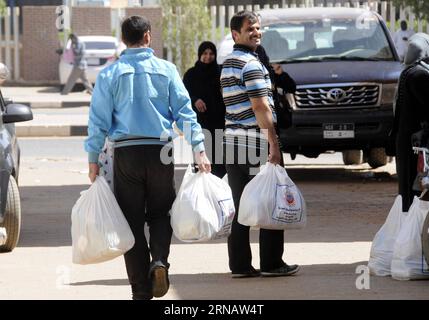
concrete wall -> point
(40, 39)
(154, 14)
(39, 42)
(87, 21)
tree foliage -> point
(2, 7)
(184, 29)
(420, 7)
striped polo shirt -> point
(243, 77)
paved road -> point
(346, 207)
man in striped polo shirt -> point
(249, 140)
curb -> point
(53, 105)
(52, 131)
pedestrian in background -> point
(400, 38)
(136, 101)
(280, 79)
(203, 84)
(249, 124)
(411, 110)
(79, 66)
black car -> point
(346, 68)
(10, 207)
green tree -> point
(419, 7)
(2, 7)
(184, 29)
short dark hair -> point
(133, 29)
(238, 19)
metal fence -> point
(10, 42)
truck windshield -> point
(327, 39)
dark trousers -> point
(144, 189)
(214, 150)
(75, 74)
(406, 168)
(271, 242)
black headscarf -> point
(204, 46)
(207, 69)
(203, 82)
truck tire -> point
(352, 157)
(377, 157)
(12, 219)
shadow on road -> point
(326, 281)
(50, 90)
(343, 205)
(104, 282)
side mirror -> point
(59, 51)
(4, 73)
(17, 113)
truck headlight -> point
(388, 93)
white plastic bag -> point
(3, 236)
(408, 262)
(271, 200)
(105, 160)
(99, 230)
(203, 209)
(381, 253)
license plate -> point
(93, 61)
(338, 130)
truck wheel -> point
(352, 157)
(377, 157)
(12, 219)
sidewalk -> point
(60, 122)
(45, 97)
(55, 115)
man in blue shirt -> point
(136, 100)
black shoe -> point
(252, 273)
(141, 292)
(142, 296)
(285, 270)
(160, 282)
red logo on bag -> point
(290, 199)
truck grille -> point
(328, 96)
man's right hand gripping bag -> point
(271, 200)
(99, 230)
(203, 209)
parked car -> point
(346, 69)
(10, 206)
(100, 52)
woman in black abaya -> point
(203, 84)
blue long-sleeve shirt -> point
(136, 100)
